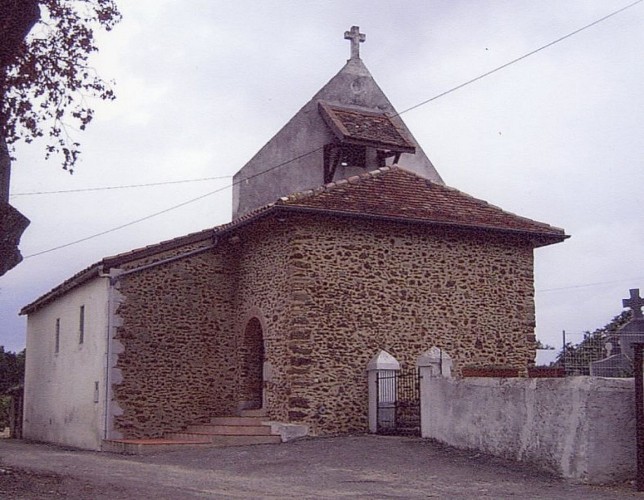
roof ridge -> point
(354, 179)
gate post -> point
(434, 363)
(638, 363)
(381, 364)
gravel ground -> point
(350, 467)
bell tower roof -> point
(348, 127)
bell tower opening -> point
(363, 140)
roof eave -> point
(78, 279)
(108, 263)
(539, 238)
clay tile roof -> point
(389, 193)
(364, 127)
(392, 192)
(104, 265)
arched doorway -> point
(252, 366)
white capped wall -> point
(582, 428)
(62, 404)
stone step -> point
(150, 446)
(240, 421)
(226, 440)
(223, 431)
(261, 412)
(230, 430)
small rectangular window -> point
(81, 325)
(57, 341)
(95, 392)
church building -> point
(344, 242)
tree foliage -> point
(48, 87)
(544, 347)
(12, 369)
(592, 347)
(12, 374)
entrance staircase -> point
(249, 428)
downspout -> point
(113, 276)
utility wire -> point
(513, 61)
(188, 202)
(106, 188)
(587, 285)
(453, 89)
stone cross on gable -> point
(635, 303)
(356, 38)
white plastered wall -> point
(582, 428)
(62, 404)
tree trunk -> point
(12, 222)
(17, 17)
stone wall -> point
(358, 287)
(178, 363)
(184, 331)
(328, 294)
(263, 281)
(579, 427)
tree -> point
(45, 84)
(591, 348)
(12, 374)
(46, 79)
(12, 369)
(544, 347)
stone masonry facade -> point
(175, 366)
(359, 287)
(329, 293)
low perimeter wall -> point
(580, 427)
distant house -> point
(334, 253)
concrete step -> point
(226, 440)
(230, 430)
(240, 421)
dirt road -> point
(350, 467)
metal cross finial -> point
(356, 38)
(635, 303)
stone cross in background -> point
(620, 356)
(356, 38)
(635, 303)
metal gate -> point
(398, 407)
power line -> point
(131, 223)
(453, 89)
(188, 202)
(587, 285)
(106, 188)
(503, 66)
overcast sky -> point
(202, 84)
